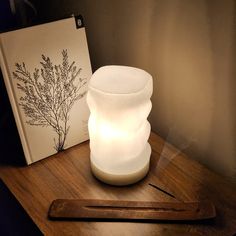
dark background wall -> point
(189, 48)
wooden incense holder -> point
(130, 210)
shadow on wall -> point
(222, 145)
(193, 57)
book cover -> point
(46, 69)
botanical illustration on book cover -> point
(49, 94)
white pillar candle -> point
(119, 103)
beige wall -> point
(189, 48)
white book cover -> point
(46, 69)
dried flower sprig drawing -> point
(49, 94)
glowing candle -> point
(119, 102)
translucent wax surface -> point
(119, 102)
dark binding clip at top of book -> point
(79, 22)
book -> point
(46, 69)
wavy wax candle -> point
(119, 103)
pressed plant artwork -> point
(49, 93)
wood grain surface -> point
(67, 175)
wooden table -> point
(67, 175)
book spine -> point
(12, 98)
